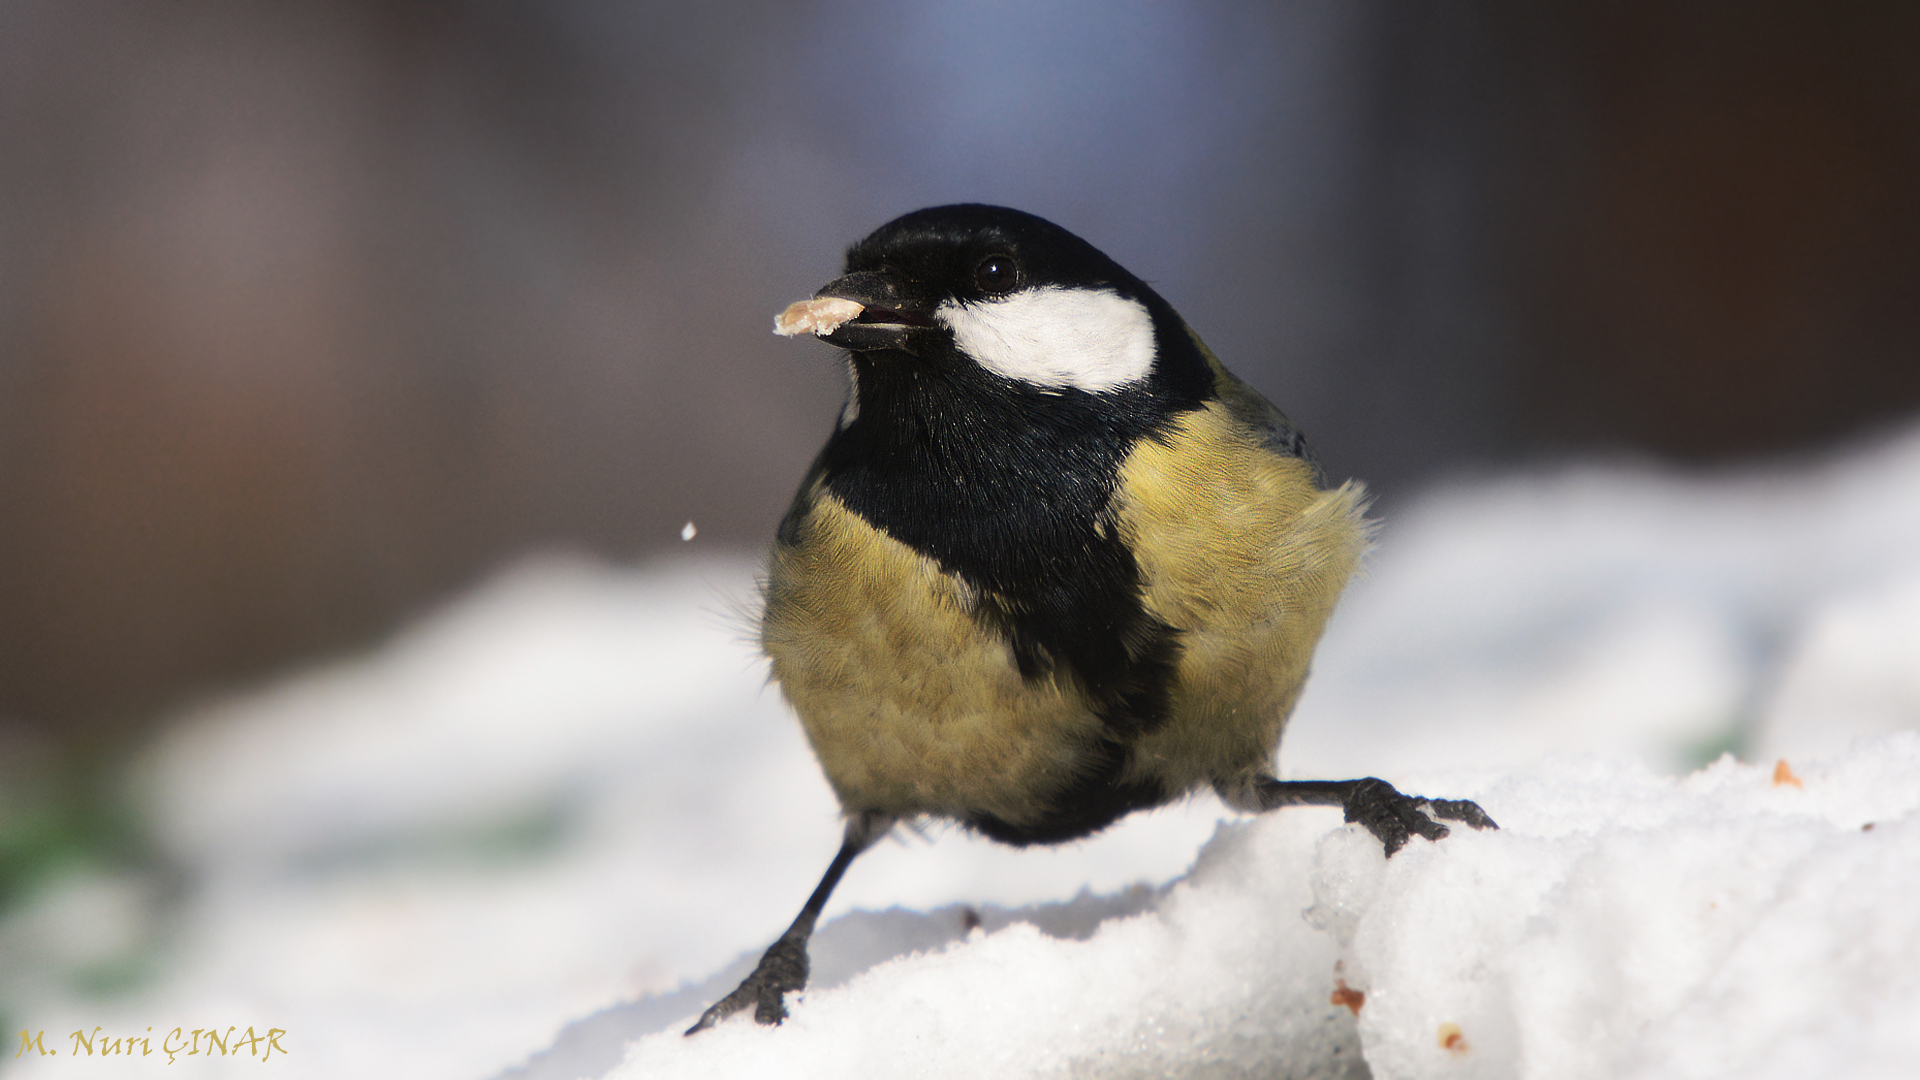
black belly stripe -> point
(1092, 799)
(1009, 488)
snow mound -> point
(1734, 922)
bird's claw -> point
(1465, 811)
(1394, 818)
(781, 969)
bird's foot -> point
(782, 968)
(1395, 818)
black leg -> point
(784, 966)
(1387, 814)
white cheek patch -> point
(1089, 339)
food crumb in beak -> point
(820, 315)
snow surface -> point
(1621, 924)
(535, 834)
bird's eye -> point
(997, 274)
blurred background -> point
(312, 315)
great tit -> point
(1054, 565)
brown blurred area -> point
(317, 313)
(311, 315)
(1723, 241)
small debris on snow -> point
(1348, 996)
(1783, 775)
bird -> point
(1054, 564)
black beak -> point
(889, 320)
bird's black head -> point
(1016, 298)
